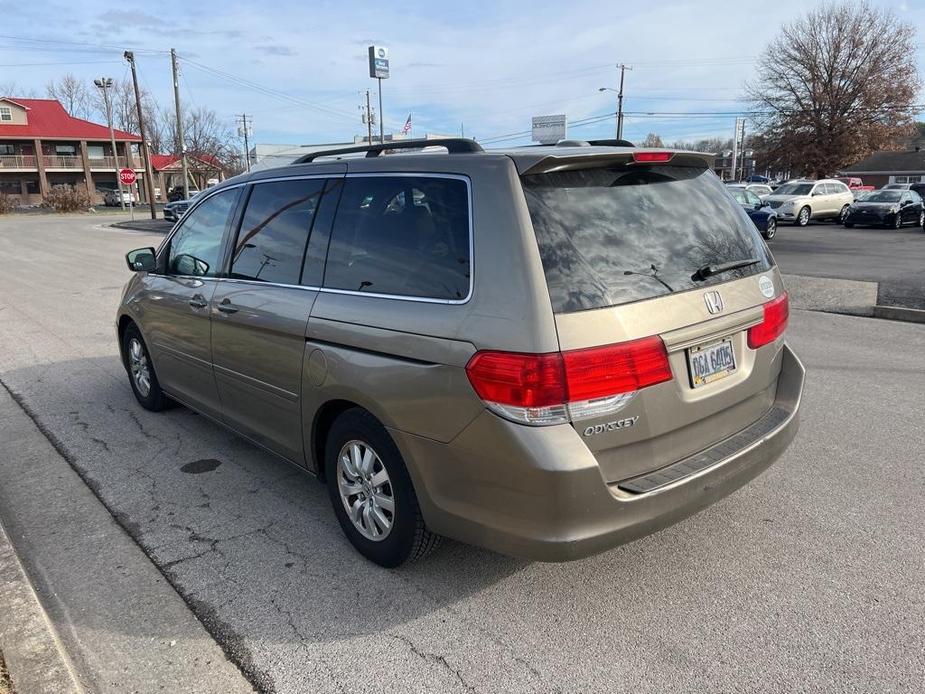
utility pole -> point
(180, 140)
(623, 69)
(742, 148)
(149, 173)
(244, 129)
(733, 169)
(104, 84)
(369, 120)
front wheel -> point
(849, 225)
(372, 493)
(141, 373)
(803, 217)
(844, 213)
(898, 222)
(770, 230)
(922, 219)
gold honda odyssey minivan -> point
(546, 351)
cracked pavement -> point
(809, 579)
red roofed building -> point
(42, 146)
(204, 171)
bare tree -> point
(11, 88)
(652, 140)
(834, 86)
(124, 110)
(74, 95)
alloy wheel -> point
(803, 219)
(365, 490)
(771, 229)
(138, 364)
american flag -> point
(407, 128)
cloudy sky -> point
(299, 68)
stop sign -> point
(127, 176)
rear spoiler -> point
(578, 158)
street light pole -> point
(104, 84)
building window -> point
(7, 149)
(95, 151)
(65, 150)
(6, 113)
(32, 186)
(11, 186)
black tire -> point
(898, 221)
(155, 399)
(843, 214)
(848, 225)
(803, 219)
(770, 230)
(922, 219)
(409, 539)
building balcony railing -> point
(17, 161)
(62, 161)
(70, 162)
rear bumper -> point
(538, 492)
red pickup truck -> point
(855, 185)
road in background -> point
(894, 258)
(808, 579)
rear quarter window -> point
(402, 236)
(611, 236)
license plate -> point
(711, 362)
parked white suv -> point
(800, 201)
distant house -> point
(880, 168)
(204, 170)
(42, 146)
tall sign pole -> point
(379, 70)
(180, 140)
(145, 152)
(369, 121)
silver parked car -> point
(546, 351)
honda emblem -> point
(714, 301)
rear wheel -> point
(922, 219)
(141, 372)
(849, 225)
(372, 493)
(770, 230)
(803, 216)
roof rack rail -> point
(454, 145)
(585, 143)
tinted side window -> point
(752, 198)
(275, 229)
(196, 246)
(401, 235)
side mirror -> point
(905, 202)
(816, 192)
(141, 260)
(759, 205)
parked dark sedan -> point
(889, 208)
(762, 214)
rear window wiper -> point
(710, 270)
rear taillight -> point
(776, 314)
(558, 387)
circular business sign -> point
(127, 176)
(766, 285)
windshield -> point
(622, 234)
(794, 189)
(884, 196)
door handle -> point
(198, 301)
(227, 307)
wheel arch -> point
(321, 425)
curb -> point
(31, 650)
(909, 315)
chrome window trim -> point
(329, 290)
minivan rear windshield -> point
(610, 236)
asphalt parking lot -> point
(894, 258)
(808, 579)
